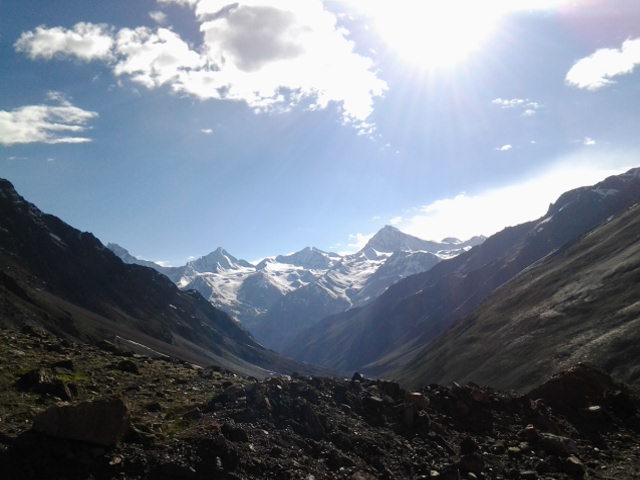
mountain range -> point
(280, 296)
(529, 300)
(66, 282)
(388, 335)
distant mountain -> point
(55, 277)
(383, 336)
(578, 304)
(356, 279)
(281, 295)
(310, 258)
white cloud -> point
(396, 220)
(504, 148)
(86, 41)
(179, 2)
(357, 241)
(207, 131)
(588, 141)
(465, 215)
(525, 105)
(159, 17)
(506, 103)
(154, 57)
(45, 123)
(485, 213)
(597, 70)
(272, 55)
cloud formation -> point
(86, 41)
(487, 212)
(159, 17)
(272, 55)
(597, 70)
(357, 241)
(45, 123)
(504, 148)
(526, 106)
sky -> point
(172, 127)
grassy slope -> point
(581, 303)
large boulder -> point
(583, 386)
(102, 422)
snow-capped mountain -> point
(280, 295)
(389, 256)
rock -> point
(64, 364)
(107, 346)
(373, 402)
(357, 377)
(234, 433)
(450, 472)
(575, 389)
(33, 379)
(472, 462)
(551, 443)
(574, 467)
(312, 422)
(468, 445)
(33, 331)
(362, 476)
(416, 399)
(409, 415)
(529, 433)
(128, 366)
(392, 389)
(514, 451)
(101, 422)
(528, 475)
(153, 407)
(42, 381)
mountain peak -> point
(308, 257)
(451, 240)
(389, 239)
(218, 260)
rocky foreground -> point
(70, 411)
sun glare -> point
(440, 33)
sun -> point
(433, 33)
(439, 33)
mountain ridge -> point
(66, 282)
(384, 335)
(577, 303)
(272, 296)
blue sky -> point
(173, 127)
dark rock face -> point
(101, 422)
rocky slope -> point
(67, 282)
(578, 304)
(281, 295)
(128, 416)
(384, 335)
